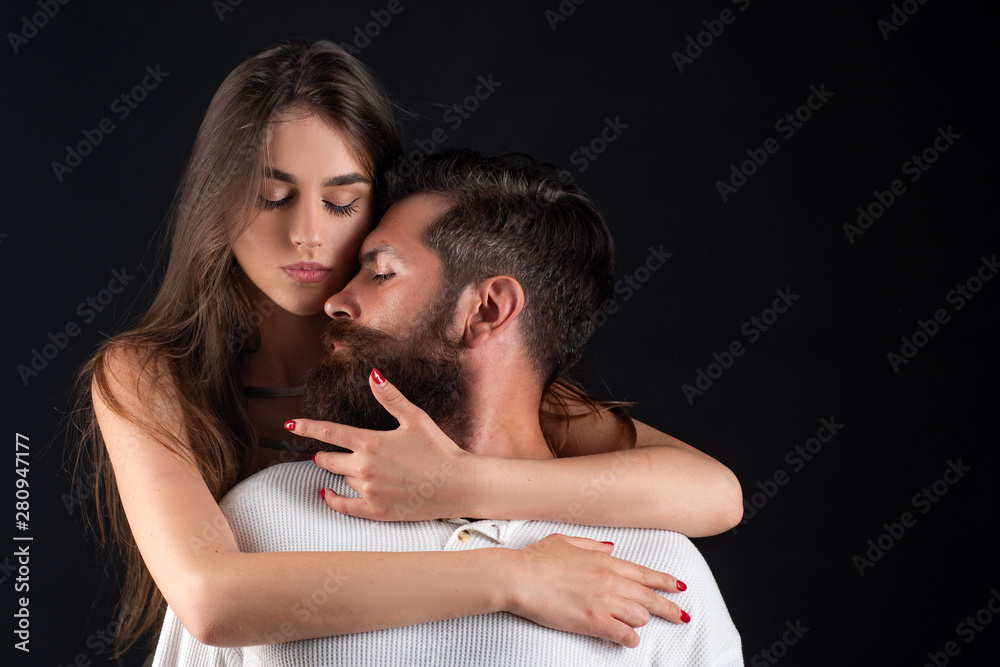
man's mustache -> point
(423, 364)
(357, 338)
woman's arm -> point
(418, 473)
(225, 597)
(660, 483)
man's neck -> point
(504, 407)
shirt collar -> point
(497, 530)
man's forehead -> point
(401, 229)
(369, 255)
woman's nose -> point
(306, 225)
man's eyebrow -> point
(343, 179)
(370, 256)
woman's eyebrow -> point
(346, 179)
(343, 179)
(277, 174)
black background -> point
(680, 131)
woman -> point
(184, 405)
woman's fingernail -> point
(317, 454)
(681, 586)
(290, 425)
(611, 543)
(379, 380)
(685, 617)
(322, 494)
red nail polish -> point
(685, 617)
(611, 543)
(681, 586)
(290, 425)
(314, 457)
(379, 380)
(322, 494)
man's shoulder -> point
(286, 483)
(675, 554)
(280, 509)
(635, 544)
(270, 509)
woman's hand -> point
(413, 473)
(574, 584)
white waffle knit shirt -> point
(280, 509)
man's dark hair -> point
(511, 215)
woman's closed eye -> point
(349, 209)
(266, 204)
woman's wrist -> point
(504, 570)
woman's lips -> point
(307, 272)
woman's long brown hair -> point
(566, 401)
(190, 340)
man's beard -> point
(425, 366)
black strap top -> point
(291, 443)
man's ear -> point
(491, 306)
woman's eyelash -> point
(271, 204)
(342, 210)
(380, 278)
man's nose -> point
(343, 305)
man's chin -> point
(425, 367)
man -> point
(476, 290)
